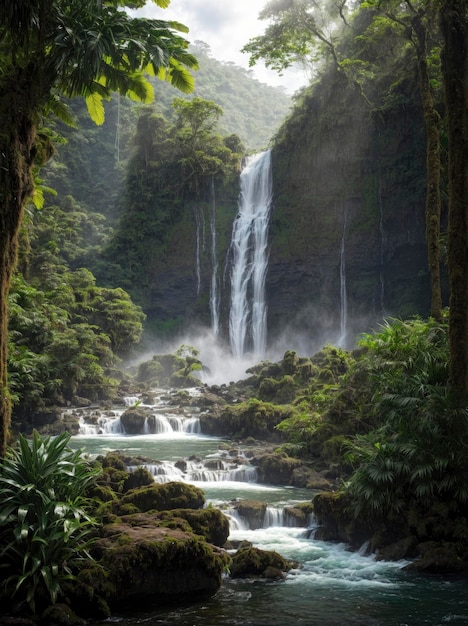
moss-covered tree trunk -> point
(17, 153)
(454, 25)
(433, 203)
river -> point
(332, 586)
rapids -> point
(331, 587)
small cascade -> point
(214, 298)
(196, 472)
(156, 424)
(343, 294)
(249, 257)
(274, 517)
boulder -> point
(134, 419)
(255, 562)
(252, 511)
(159, 564)
(277, 468)
(160, 497)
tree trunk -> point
(17, 148)
(454, 26)
(433, 202)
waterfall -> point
(214, 299)
(343, 294)
(250, 259)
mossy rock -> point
(443, 558)
(336, 522)
(61, 615)
(290, 362)
(159, 564)
(134, 419)
(88, 593)
(161, 497)
(252, 561)
(248, 419)
(210, 523)
(282, 391)
(160, 368)
(307, 477)
(252, 511)
(277, 468)
(140, 477)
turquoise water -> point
(332, 586)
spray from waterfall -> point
(247, 321)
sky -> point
(226, 26)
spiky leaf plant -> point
(44, 527)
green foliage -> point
(45, 530)
(66, 334)
(417, 450)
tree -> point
(454, 25)
(54, 48)
(415, 19)
(302, 28)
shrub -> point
(44, 527)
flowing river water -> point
(332, 586)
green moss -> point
(162, 497)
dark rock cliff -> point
(348, 206)
(347, 230)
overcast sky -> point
(226, 26)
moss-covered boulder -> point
(252, 511)
(252, 561)
(277, 468)
(336, 523)
(309, 478)
(159, 564)
(160, 497)
(61, 615)
(133, 420)
(253, 418)
(442, 558)
(210, 523)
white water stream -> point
(331, 586)
(247, 322)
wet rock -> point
(443, 558)
(61, 615)
(159, 563)
(304, 476)
(405, 548)
(252, 511)
(133, 420)
(277, 468)
(160, 497)
(255, 562)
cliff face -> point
(348, 228)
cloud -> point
(226, 27)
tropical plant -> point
(66, 48)
(417, 450)
(45, 530)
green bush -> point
(45, 530)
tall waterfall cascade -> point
(249, 248)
